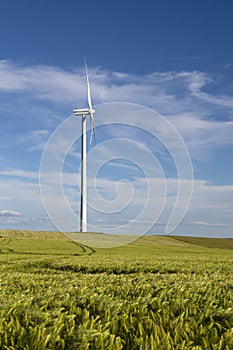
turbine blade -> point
(88, 87)
(90, 105)
(92, 128)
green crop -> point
(156, 293)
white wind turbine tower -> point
(84, 112)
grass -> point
(155, 293)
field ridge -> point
(219, 243)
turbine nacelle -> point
(83, 111)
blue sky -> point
(174, 58)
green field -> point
(156, 293)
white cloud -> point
(203, 135)
(210, 224)
(9, 213)
(30, 175)
(34, 140)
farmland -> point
(155, 293)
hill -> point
(41, 242)
(221, 243)
(102, 240)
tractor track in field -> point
(4, 241)
(85, 249)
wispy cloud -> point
(210, 224)
(177, 95)
(6, 213)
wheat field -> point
(155, 293)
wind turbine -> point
(84, 112)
